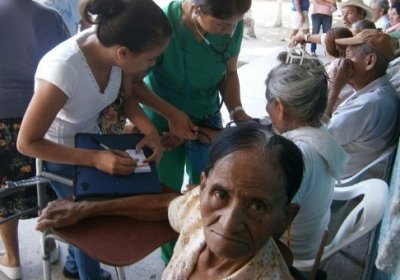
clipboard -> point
(94, 184)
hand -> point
(170, 141)
(181, 125)
(151, 140)
(342, 73)
(59, 213)
(298, 39)
(114, 162)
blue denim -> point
(77, 261)
(317, 21)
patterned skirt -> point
(15, 166)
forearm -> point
(333, 94)
(142, 207)
(146, 97)
(136, 115)
(50, 151)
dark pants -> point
(317, 21)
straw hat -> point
(357, 3)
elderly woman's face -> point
(242, 202)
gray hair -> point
(303, 89)
(382, 62)
(382, 4)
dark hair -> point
(223, 9)
(362, 24)
(332, 48)
(396, 6)
(273, 148)
(138, 25)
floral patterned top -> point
(184, 217)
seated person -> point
(366, 123)
(297, 97)
(227, 222)
(362, 24)
(380, 15)
(394, 16)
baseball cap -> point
(376, 39)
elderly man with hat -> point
(366, 123)
(354, 10)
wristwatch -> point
(234, 110)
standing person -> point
(78, 79)
(200, 61)
(299, 17)
(321, 15)
(28, 30)
(380, 15)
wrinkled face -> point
(394, 16)
(138, 64)
(242, 201)
(216, 26)
(377, 12)
(350, 15)
(358, 62)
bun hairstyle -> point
(223, 9)
(138, 25)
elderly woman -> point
(297, 98)
(226, 223)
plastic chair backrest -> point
(387, 155)
(363, 218)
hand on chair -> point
(58, 214)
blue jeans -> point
(317, 21)
(77, 261)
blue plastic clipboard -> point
(91, 183)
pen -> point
(104, 146)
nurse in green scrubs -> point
(190, 81)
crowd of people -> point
(253, 187)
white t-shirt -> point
(66, 67)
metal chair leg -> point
(120, 273)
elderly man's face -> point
(358, 62)
(351, 15)
(377, 12)
(242, 202)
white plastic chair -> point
(386, 156)
(363, 218)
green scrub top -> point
(188, 73)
